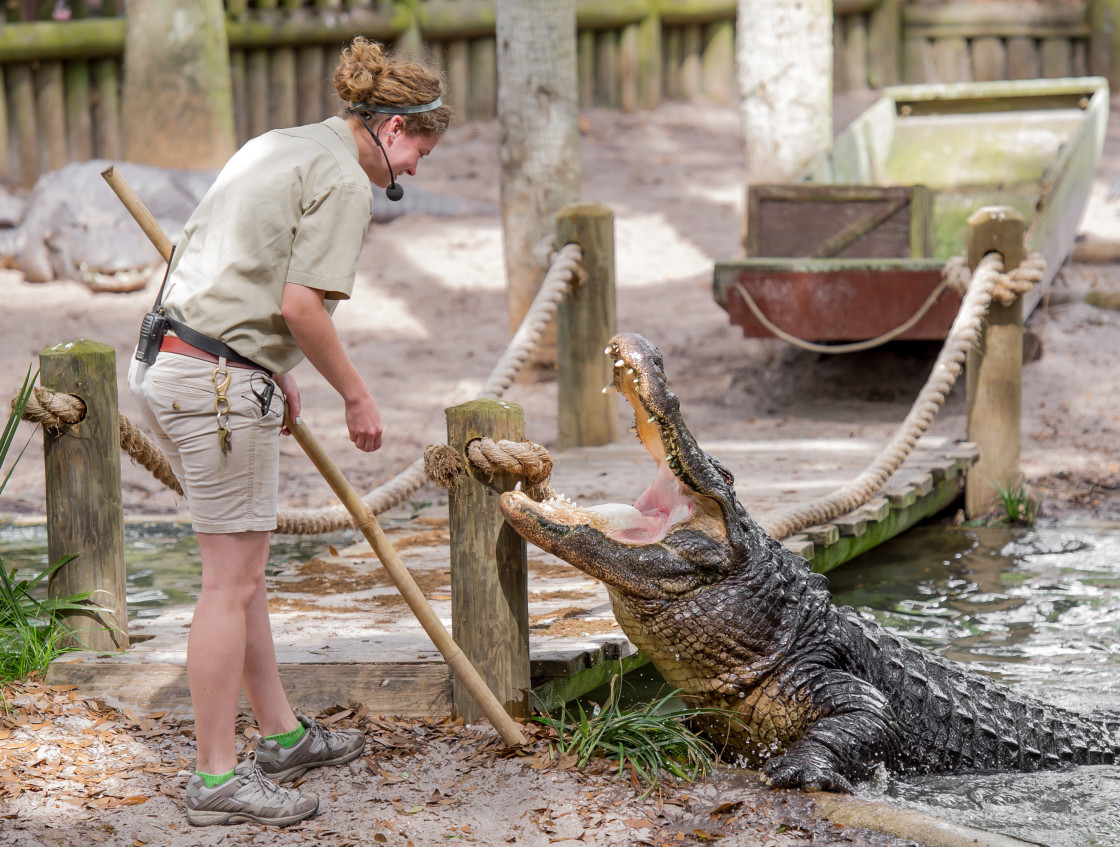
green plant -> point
(1019, 507)
(650, 739)
(31, 633)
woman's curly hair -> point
(366, 74)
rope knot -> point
(524, 459)
(56, 412)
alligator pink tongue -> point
(660, 507)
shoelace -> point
(264, 783)
(321, 734)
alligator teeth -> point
(652, 419)
(610, 389)
(607, 350)
(630, 371)
(517, 485)
(619, 363)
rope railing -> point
(441, 464)
(58, 411)
(987, 282)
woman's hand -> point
(363, 420)
(287, 385)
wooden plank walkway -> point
(344, 635)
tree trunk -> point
(538, 109)
(177, 100)
(785, 81)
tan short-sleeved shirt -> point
(292, 205)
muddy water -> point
(1040, 611)
(161, 559)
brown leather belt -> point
(174, 344)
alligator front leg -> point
(856, 730)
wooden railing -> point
(60, 81)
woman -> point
(253, 282)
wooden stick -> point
(460, 665)
(139, 211)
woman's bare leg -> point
(225, 640)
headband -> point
(377, 108)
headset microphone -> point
(395, 191)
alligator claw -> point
(793, 772)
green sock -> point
(213, 780)
(289, 738)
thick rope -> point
(964, 333)
(525, 459)
(58, 411)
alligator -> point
(72, 226)
(816, 696)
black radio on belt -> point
(152, 330)
(154, 326)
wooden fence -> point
(60, 87)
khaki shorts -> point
(226, 492)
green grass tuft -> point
(651, 739)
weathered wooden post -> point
(585, 322)
(177, 100)
(995, 366)
(489, 574)
(85, 515)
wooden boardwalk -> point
(344, 635)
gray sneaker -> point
(316, 748)
(247, 798)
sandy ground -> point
(426, 324)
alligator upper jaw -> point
(668, 502)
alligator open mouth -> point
(671, 498)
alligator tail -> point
(956, 719)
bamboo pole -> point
(489, 566)
(367, 524)
(994, 369)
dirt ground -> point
(426, 324)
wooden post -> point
(1104, 41)
(177, 102)
(85, 516)
(489, 571)
(585, 322)
(884, 31)
(995, 366)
